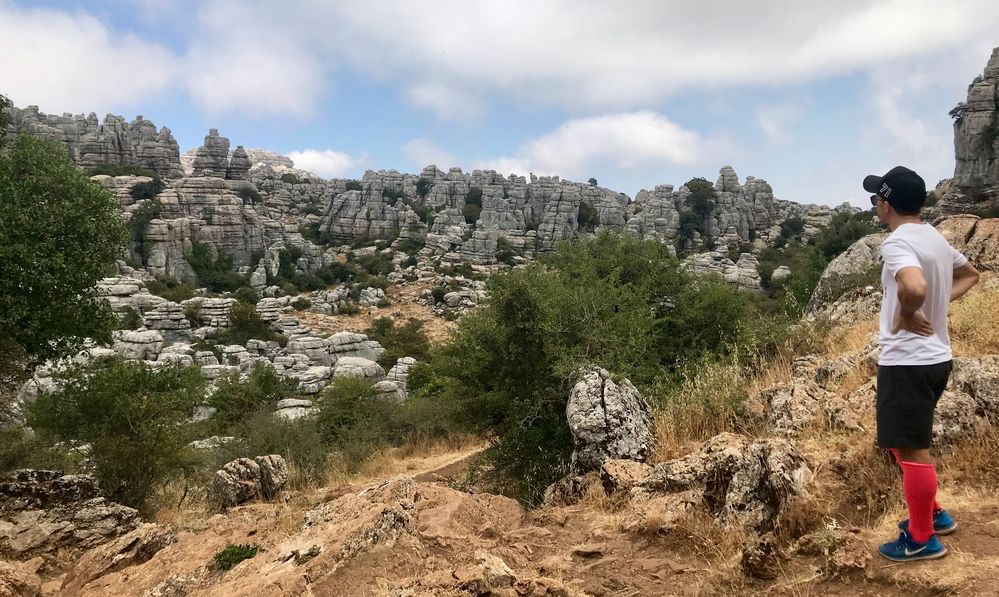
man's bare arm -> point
(965, 277)
(911, 289)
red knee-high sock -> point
(898, 459)
(919, 482)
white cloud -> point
(626, 141)
(72, 62)
(447, 102)
(777, 121)
(423, 152)
(327, 162)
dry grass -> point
(871, 486)
(418, 456)
(971, 462)
(709, 400)
(973, 326)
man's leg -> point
(915, 458)
(919, 483)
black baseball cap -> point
(902, 188)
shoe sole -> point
(946, 531)
(932, 556)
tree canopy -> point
(59, 233)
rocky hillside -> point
(244, 203)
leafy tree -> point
(592, 181)
(843, 230)
(702, 197)
(6, 118)
(610, 300)
(214, 268)
(792, 228)
(236, 399)
(405, 340)
(588, 217)
(132, 417)
(245, 324)
(423, 187)
(59, 234)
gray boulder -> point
(243, 480)
(609, 420)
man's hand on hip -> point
(914, 322)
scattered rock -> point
(244, 480)
(131, 549)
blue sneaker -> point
(943, 524)
(904, 549)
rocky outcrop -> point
(609, 420)
(745, 482)
(976, 131)
(131, 549)
(113, 142)
(744, 274)
(48, 514)
(244, 480)
(858, 269)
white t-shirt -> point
(917, 245)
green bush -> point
(471, 212)
(301, 303)
(406, 340)
(355, 185)
(588, 217)
(300, 442)
(474, 196)
(245, 324)
(792, 228)
(147, 212)
(376, 264)
(234, 554)
(423, 187)
(336, 273)
(289, 178)
(131, 319)
(355, 423)
(610, 300)
(22, 449)
(170, 288)
(250, 196)
(246, 294)
(147, 190)
(236, 400)
(843, 230)
(214, 268)
(392, 196)
(133, 418)
(425, 213)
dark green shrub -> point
(349, 309)
(355, 185)
(425, 213)
(353, 422)
(592, 182)
(336, 272)
(588, 217)
(234, 554)
(792, 228)
(250, 196)
(300, 442)
(474, 196)
(147, 190)
(410, 261)
(289, 178)
(301, 303)
(147, 212)
(213, 268)
(312, 232)
(423, 187)
(471, 212)
(376, 264)
(170, 288)
(246, 294)
(131, 319)
(133, 418)
(843, 230)
(21, 449)
(610, 300)
(392, 196)
(237, 400)
(405, 340)
(438, 293)
(245, 324)
(505, 252)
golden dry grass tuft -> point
(708, 400)
(973, 328)
(871, 485)
(971, 462)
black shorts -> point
(907, 397)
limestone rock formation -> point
(131, 549)
(243, 480)
(114, 142)
(48, 514)
(608, 420)
(976, 131)
(745, 482)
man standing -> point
(922, 273)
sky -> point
(809, 96)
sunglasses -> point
(874, 200)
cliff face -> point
(976, 131)
(114, 142)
